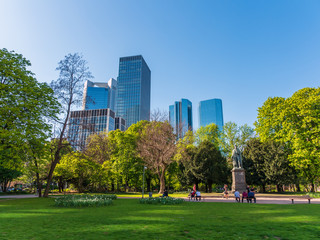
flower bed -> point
(161, 200)
(84, 200)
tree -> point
(209, 133)
(208, 165)
(25, 107)
(68, 89)
(157, 148)
(295, 123)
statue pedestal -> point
(238, 180)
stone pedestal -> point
(238, 180)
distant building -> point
(120, 123)
(210, 111)
(134, 86)
(180, 117)
(97, 95)
(83, 123)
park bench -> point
(194, 198)
(300, 197)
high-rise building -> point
(83, 123)
(180, 117)
(210, 111)
(97, 95)
(134, 86)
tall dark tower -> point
(134, 87)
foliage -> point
(84, 200)
(232, 135)
(157, 147)
(208, 133)
(295, 122)
(208, 165)
(81, 171)
(161, 200)
(25, 107)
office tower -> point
(97, 95)
(120, 123)
(133, 96)
(83, 123)
(180, 117)
(210, 111)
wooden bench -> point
(301, 197)
(202, 198)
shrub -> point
(161, 200)
(84, 200)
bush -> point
(161, 200)
(84, 200)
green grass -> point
(127, 219)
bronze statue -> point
(236, 157)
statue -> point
(236, 157)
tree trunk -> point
(298, 187)
(278, 188)
(263, 188)
(162, 181)
(312, 188)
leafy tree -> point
(68, 89)
(208, 165)
(157, 148)
(25, 107)
(209, 133)
(254, 163)
(295, 123)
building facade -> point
(210, 111)
(134, 88)
(97, 95)
(180, 117)
(83, 123)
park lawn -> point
(127, 219)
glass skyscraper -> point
(210, 111)
(180, 117)
(97, 95)
(134, 86)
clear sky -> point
(240, 51)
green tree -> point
(25, 107)
(208, 165)
(295, 123)
(209, 133)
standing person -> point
(226, 191)
(237, 196)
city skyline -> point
(240, 52)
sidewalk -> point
(263, 200)
(19, 196)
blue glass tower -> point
(210, 111)
(180, 117)
(134, 86)
(98, 95)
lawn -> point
(127, 219)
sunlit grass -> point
(127, 219)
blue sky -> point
(240, 51)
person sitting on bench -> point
(165, 193)
(198, 195)
(251, 196)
